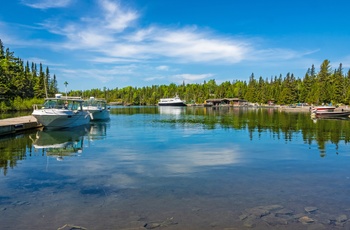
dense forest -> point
(325, 86)
(22, 84)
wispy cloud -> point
(115, 36)
(46, 4)
(191, 77)
(116, 17)
(162, 67)
(112, 35)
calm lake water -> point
(180, 168)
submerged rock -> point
(273, 220)
(259, 212)
(284, 212)
(273, 207)
(342, 218)
(306, 220)
(310, 209)
(165, 223)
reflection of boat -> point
(328, 112)
(97, 107)
(171, 110)
(175, 101)
(59, 143)
(61, 112)
(98, 130)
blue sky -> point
(119, 43)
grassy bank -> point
(19, 104)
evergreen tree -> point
(252, 86)
(337, 87)
(2, 50)
(324, 82)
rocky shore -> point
(277, 216)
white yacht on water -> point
(61, 112)
(175, 101)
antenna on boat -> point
(45, 87)
(65, 84)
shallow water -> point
(179, 168)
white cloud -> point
(192, 77)
(192, 44)
(162, 67)
(111, 34)
(154, 78)
(114, 36)
(117, 18)
(46, 4)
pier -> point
(18, 124)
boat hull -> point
(325, 114)
(97, 108)
(172, 104)
(99, 114)
(56, 119)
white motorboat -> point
(61, 112)
(97, 107)
(175, 101)
(328, 112)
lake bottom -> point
(233, 199)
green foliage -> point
(4, 107)
(19, 104)
(20, 82)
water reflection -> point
(172, 110)
(53, 143)
(60, 143)
(328, 135)
(202, 168)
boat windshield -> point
(50, 104)
(61, 104)
(95, 103)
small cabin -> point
(226, 101)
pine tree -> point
(324, 82)
(2, 51)
(337, 87)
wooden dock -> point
(17, 124)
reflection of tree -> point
(256, 121)
(13, 149)
(281, 124)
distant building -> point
(226, 101)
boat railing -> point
(38, 106)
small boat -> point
(98, 108)
(328, 112)
(61, 112)
(175, 101)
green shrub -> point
(4, 107)
(19, 104)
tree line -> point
(19, 81)
(324, 86)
